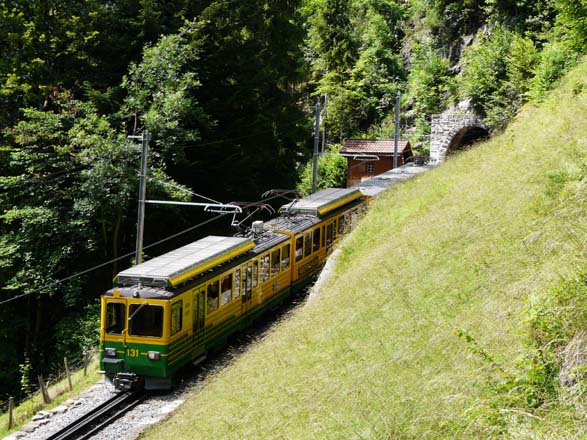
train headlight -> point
(110, 352)
(154, 355)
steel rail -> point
(90, 423)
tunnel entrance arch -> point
(454, 131)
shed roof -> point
(374, 146)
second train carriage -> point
(172, 310)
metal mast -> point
(316, 142)
(145, 138)
(397, 99)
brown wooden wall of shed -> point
(357, 170)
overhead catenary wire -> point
(63, 280)
(78, 274)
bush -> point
(331, 171)
(555, 60)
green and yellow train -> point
(174, 309)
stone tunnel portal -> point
(466, 137)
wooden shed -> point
(369, 157)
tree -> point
(354, 48)
(228, 92)
(332, 170)
(68, 197)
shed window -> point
(370, 167)
(275, 262)
(176, 317)
(212, 297)
(226, 287)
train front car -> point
(134, 337)
(152, 323)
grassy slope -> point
(460, 248)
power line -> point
(185, 231)
(222, 141)
(183, 189)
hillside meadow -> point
(425, 329)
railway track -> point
(100, 417)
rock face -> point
(574, 361)
(455, 129)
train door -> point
(199, 304)
(247, 287)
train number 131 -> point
(132, 352)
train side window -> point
(115, 318)
(299, 248)
(249, 281)
(176, 317)
(285, 257)
(307, 244)
(349, 220)
(264, 268)
(275, 261)
(255, 273)
(323, 236)
(334, 230)
(212, 299)
(329, 234)
(340, 225)
(226, 288)
(246, 276)
(237, 283)
(316, 240)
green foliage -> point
(354, 49)
(25, 376)
(76, 334)
(331, 172)
(161, 90)
(219, 95)
(557, 317)
(496, 73)
(68, 179)
(556, 59)
(429, 82)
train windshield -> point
(147, 320)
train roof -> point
(175, 267)
(322, 202)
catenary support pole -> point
(142, 193)
(323, 149)
(395, 144)
(316, 142)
